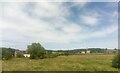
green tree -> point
(36, 51)
(6, 53)
(0, 53)
(116, 61)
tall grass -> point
(90, 62)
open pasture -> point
(87, 62)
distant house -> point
(88, 51)
(26, 55)
(15, 53)
(82, 52)
(85, 52)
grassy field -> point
(91, 62)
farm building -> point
(15, 53)
(82, 52)
(23, 53)
(26, 55)
(85, 52)
(88, 51)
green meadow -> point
(87, 62)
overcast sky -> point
(59, 25)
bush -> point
(116, 61)
(66, 53)
(51, 55)
(19, 54)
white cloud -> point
(59, 0)
(47, 23)
(73, 28)
(89, 20)
(50, 9)
(46, 1)
(105, 32)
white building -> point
(82, 52)
(88, 51)
(26, 55)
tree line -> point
(37, 51)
